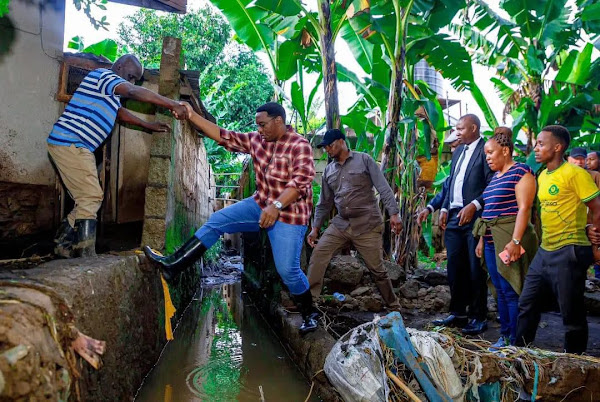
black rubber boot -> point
(65, 236)
(308, 311)
(86, 238)
(172, 265)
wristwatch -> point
(278, 205)
(517, 241)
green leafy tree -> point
(90, 8)
(238, 85)
(203, 34)
(233, 82)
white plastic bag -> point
(355, 366)
(438, 361)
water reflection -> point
(223, 351)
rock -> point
(344, 273)
(438, 304)
(422, 292)
(410, 289)
(592, 302)
(374, 304)
(395, 272)
(361, 291)
(432, 277)
(442, 293)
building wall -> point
(29, 78)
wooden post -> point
(158, 200)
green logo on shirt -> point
(553, 190)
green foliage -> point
(90, 7)
(107, 47)
(537, 38)
(203, 34)
(233, 82)
(223, 161)
(4, 7)
(425, 261)
(235, 88)
(213, 253)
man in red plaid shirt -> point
(282, 204)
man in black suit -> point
(463, 202)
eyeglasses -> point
(262, 124)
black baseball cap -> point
(330, 136)
(578, 152)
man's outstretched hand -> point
(158, 127)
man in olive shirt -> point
(348, 183)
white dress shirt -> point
(457, 200)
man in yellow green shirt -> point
(559, 269)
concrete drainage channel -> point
(223, 349)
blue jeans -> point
(508, 299)
(286, 239)
(596, 271)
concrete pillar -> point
(160, 173)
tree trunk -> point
(332, 110)
(389, 160)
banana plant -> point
(527, 49)
(294, 39)
(387, 39)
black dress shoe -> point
(475, 327)
(451, 321)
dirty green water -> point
(223, 351)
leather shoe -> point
(475, 327)
(451, 321)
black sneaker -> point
(309, 324)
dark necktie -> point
(460, 162)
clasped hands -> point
(180, 110)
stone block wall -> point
(180, 191)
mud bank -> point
(116, 299)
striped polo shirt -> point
(500, 198)
(90, 115)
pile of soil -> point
(35, 331)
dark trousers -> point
(466, 278)
(558, 274)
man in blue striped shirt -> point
(85, 124)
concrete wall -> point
(29, 82)
(116, 299)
